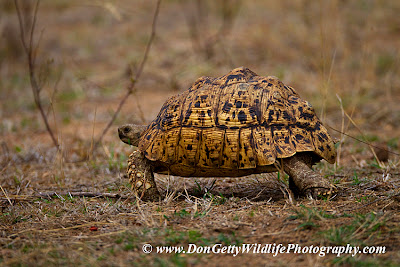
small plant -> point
(356, 181)
(172, 237)
(375, 164)
(101, 257)
(116, 163)
(283, 178)
(182, 213)
(206, 193)
(309, 216)
(362, 198)
(46, 200)
(159, 209)
(215, 199)
(201, 214)
(127, 241)
(251, 213)
(336, 181)
(229, 239)
(198, 190)
(362, 227)
(17, 181)
(194, 236)
(128, 246)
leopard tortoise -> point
(235, 125)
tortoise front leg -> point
(141, 177)
(303, 180)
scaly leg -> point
(141, 177)
(304, 179)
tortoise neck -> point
(141, 128)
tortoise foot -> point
(141, 177)
(303, 181)
(320, 192)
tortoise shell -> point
(234, 125)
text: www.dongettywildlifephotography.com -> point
(273, 249)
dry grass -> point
(324, 49)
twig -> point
(81, 194)
(4, 192)
(131, 86)
(59, 195)
(30, 51)
(92, 141)
(361, 141)
(53, 94)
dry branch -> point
(361, 141)
(81, 194)
(30, 51)
(131, 87)
(52, 194)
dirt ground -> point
(75, 207)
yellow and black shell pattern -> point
(237, 122)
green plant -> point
(283, 178)
(182, 213)
(116, 163)
(309, 217)
(228, 239)
(363, 227)
(216, 199)
(355, 179)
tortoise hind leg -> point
(141, 177)
(303, 180)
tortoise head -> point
(131, 133)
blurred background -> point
(342, 56)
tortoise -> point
(235, 125)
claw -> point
(320, 192)
(138, 184)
